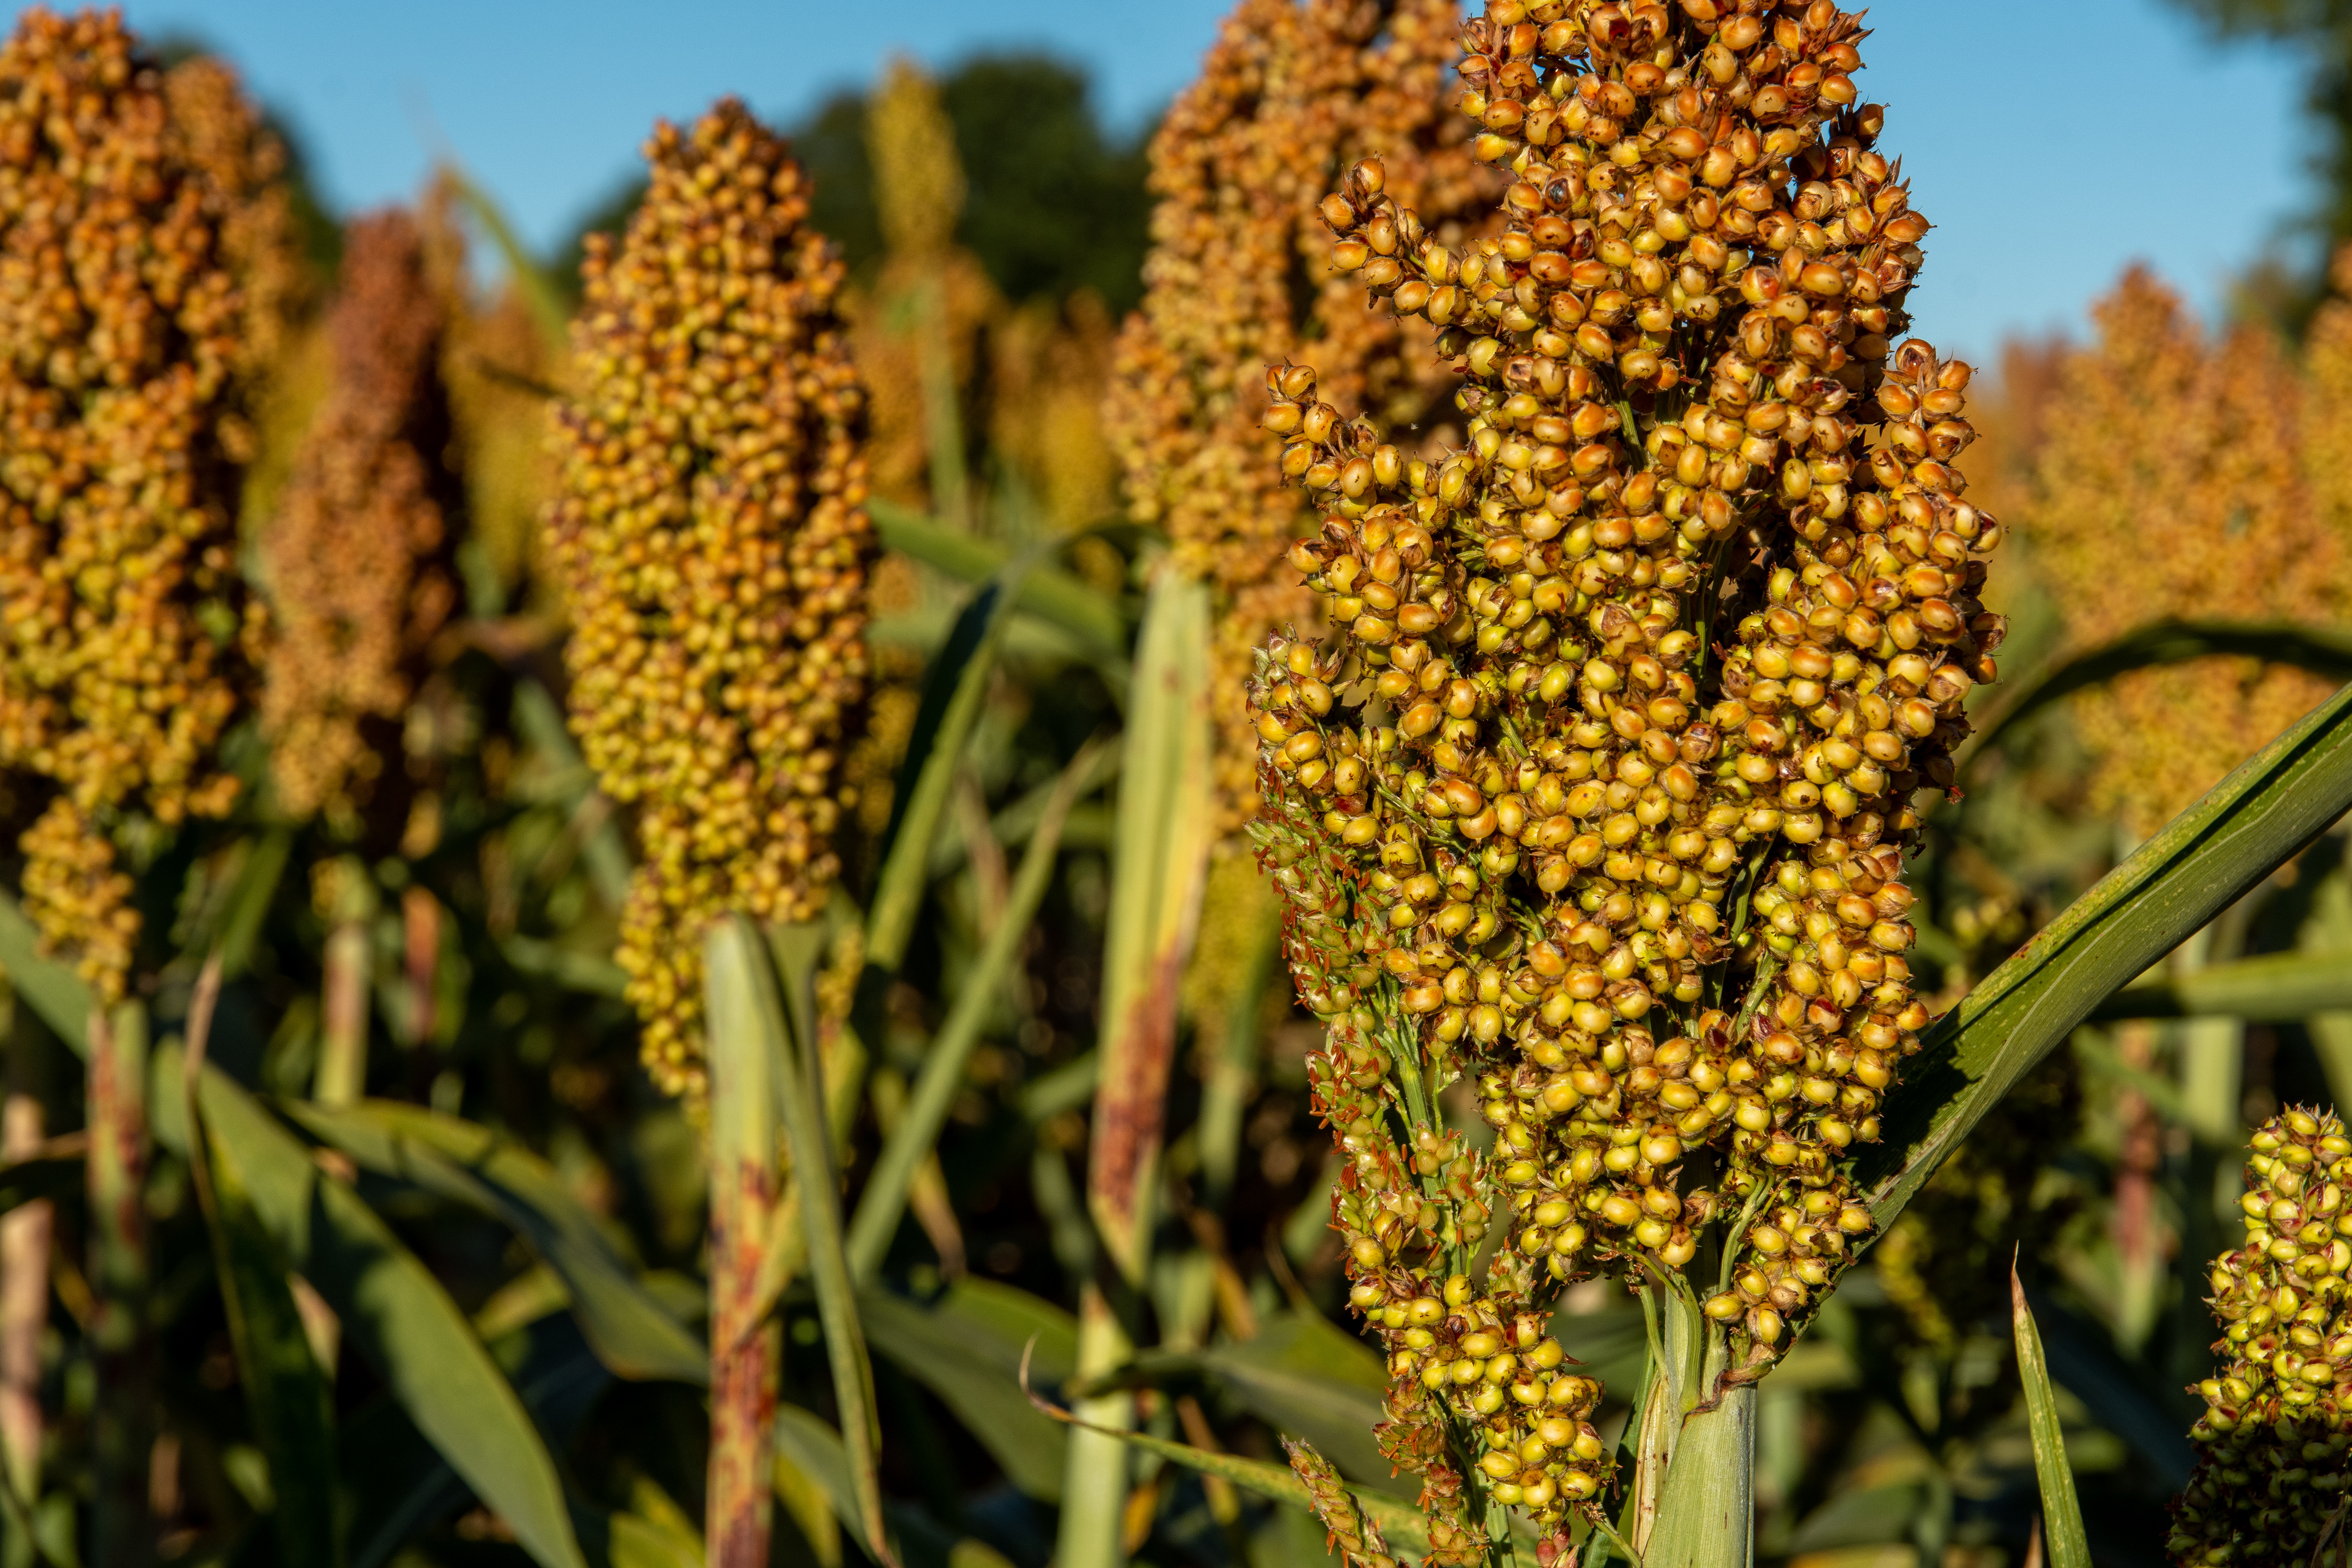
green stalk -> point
(1158, 861)
(25, 1241)
(746, 1342)
(122, 1534)
(926, 1111)
(799, 1085)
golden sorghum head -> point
(922, 329)
(712, 542)
(919, 186)
(355, 556)
(1291, 92)
(2274, 1444)
(1051, 370)
(146, 245)
(1599, 794)
(2170, 481)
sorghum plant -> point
(357, 554)
(1288, 93)
(1599, 795)
(141, 217)
(711, 537)
(2163, 459)
(2272, 1444)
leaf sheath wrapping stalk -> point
(745, 1052)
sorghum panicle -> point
(2173, 477)
(359, 583)
(712, 541)
(1291, 90)
(1600, 793)
(2272, 1444)
(144, 239)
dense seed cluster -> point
(143, 245)
(356, 556)
(1599, 794)
(1291, 90)
(2167, 463)
(712, 540)
(2272, 1445)
(1354, 1534)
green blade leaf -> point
(974, 1368)
(52, 989)
(1401, 1521)
(1052, 594)
(2324, 650)
(541, 296)
(955, 688)
(2274, 988)
(631, 1331)
(884, 1201)
(2244, 827)
(396, 1313)
(284, 1390)
(2062, 1515)
(538, 720)
(747, 1006)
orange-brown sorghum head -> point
(145, 241)
(356, 553)
(1598, 793)
(712, 541)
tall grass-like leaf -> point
(396, 1314)
(974, 1370)
(2062, 1515)
(1158, 862)
(52, 989)
(1061, 598)
(739, 961)
(2274, 988)
(747, 1051)
(2244, 828)
(954, 690)
(883, 1200)
(285, 1389)
(550, 311)
(631, 1331)
(538, 720)
(2324, 650)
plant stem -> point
(123, 1426)
(25, 1240)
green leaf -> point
(955, 688)
(52, 989)
(813, 1450)
(1050, 594)
(2244, 827)
(974, 1369)
(284, 1389)
(2274, 988)
(941, 1080)
(541, 296)
(631, 1331)
(396, 1313)
(2062, 1515)
(2324, 650)
(538, 720)
(256, 884)
(746, 1005)
(1402, 1522)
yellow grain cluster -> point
(1238, 276)
(2176, 474)
(1599, 795)
(712, 542)
(144, 256)
(356, 556)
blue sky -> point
(2052, 141)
